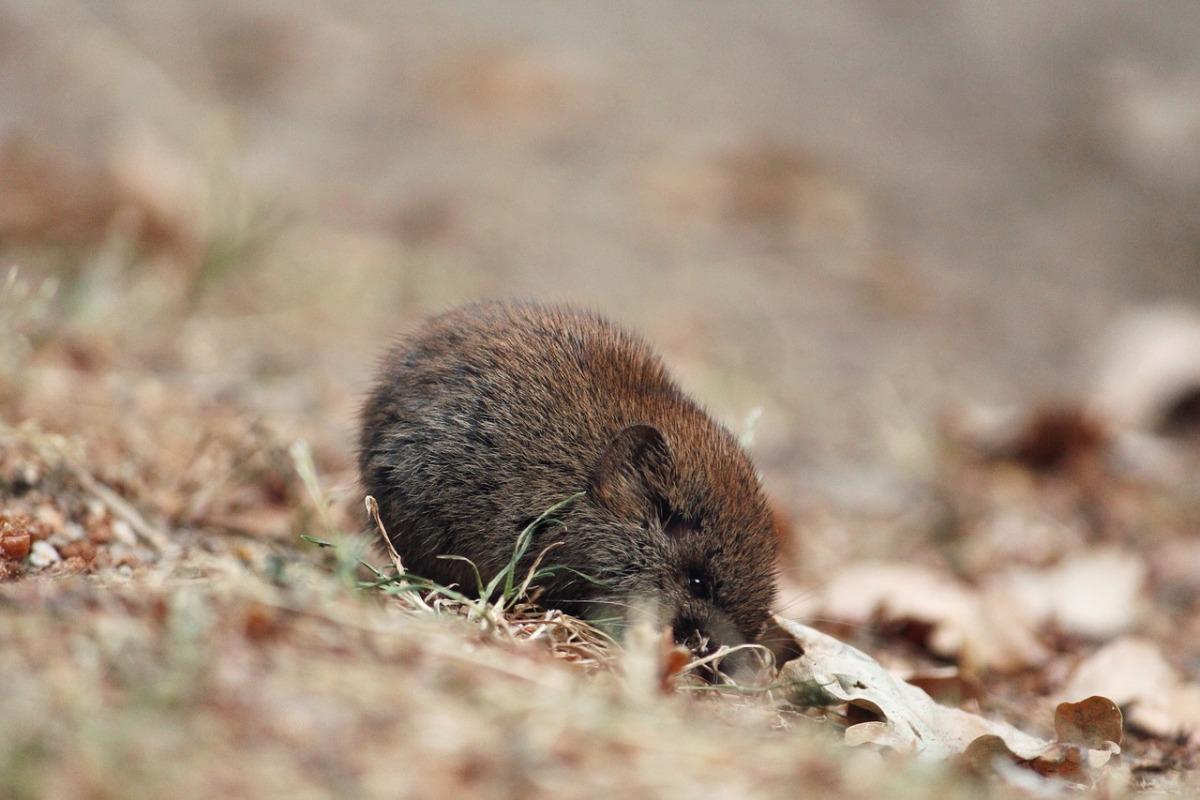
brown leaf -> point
(982, 754)
(1092, 722)
(1056, 438)
(1134, 674)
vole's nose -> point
(690, 633)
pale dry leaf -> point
(978, 634)
(831, 672)
(1095, 594)
(942, 683)
(913, 722)
(1019, 530)
(1150, 360)
(1175, 566)
(1132, 672)
(1064, 761)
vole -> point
(492, 413)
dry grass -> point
(185, 663)
(303, 672)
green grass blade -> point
(478, 578)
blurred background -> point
(839, 221)
(937, 263)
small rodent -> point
(492, 413)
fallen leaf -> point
(914, 723)
(984, 752)
(946, 683)
(1055, 438)
(906, 719)
(962, 626)
(1150, 370)
(1133, 673)
(1094, 594)
(1093, 722)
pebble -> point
(43, 554)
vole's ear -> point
(634, 473)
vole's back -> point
(492, 413)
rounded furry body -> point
(492, 413)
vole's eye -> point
(699, 584)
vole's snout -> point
(705, 631)
(693, 634)
(698, 638)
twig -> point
(373, 512)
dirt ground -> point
(938, 263)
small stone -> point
(82, 551)
(43, 555)
(14, 547)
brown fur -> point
(494, 412)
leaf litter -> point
(1134, 673)
(830, 672)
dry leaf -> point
(1095, 594)
(913, 722)
(980, 635)
(1093, 722)
(1133, 673)
(1055, 438)
(1150, 367)
(906, 719)
(946, 683)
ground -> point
(938, 267)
